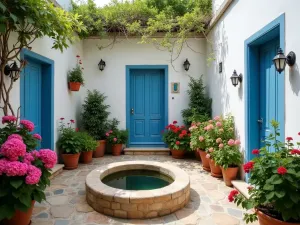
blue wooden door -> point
(268, 88)
(31, 104)
(146, 107)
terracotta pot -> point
(267, 220)
(100, 150)
(216, 170)
(177, 154)
(20, 218)
(197, 155)
(117, 149)
(229, 174)
(71, 161)
(86, 157)
(205, 161)
(74, 86)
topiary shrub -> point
(200, 104)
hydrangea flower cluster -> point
(13, 148)
(8, 119)
(27, 125)
(37, 136)
(48, 157)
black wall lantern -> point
(235, 79)
(101, 65)
(280, 60)
(186, 65)
(12, 70)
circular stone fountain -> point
(141, 200)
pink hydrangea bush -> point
(27, 125)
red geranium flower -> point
(281, 170)
(72, 121)
(295, 152)
(62, 118)
(289, 138)
(77, 129)
(174, 122)
(298, 133)
(78, 56)
(181, 136)
(248, 166)
(177, 142)
(232, 194)
(184, 132)
(255, 151)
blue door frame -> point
(275, 29)
(47, 95)
(128, 71)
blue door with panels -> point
(147, 107)
(32, 94)
(268, 79)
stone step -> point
(242, 187)
(147, 151)
(56, 170)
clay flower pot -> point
(86, 157)
(71, 161)
(267, 220)
(229, 175)
(116, 149)
(177, 154)
(216, 170)
(20, 218)
(205, 161)
(74, 86)
(197, 155)
(100, 150)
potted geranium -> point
(178, 139)
(75, 76)
(117, 138)
(198, 142)
(88, 146)
(69, 144)
(24, 173)
(274, 177)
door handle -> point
(261, 120)
(132, 111)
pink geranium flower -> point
(201, 138)
(237, 142)
(211, 149)
(115, 139)
(221, 145)
(107, 134)
(231, 142)
(219, 124)
(207, 156)
(217, 118)
(219, 140)
(13, 149)
(28, 125)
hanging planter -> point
(74, 86)
(75, 76)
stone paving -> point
(66, 202)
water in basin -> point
(137, 180)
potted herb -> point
(95, 119)
(75, 76)
(88, 146)
(117, 139)
(178, 140)
(198, 142)
(24, 174)
(69, 144)
(274, 177)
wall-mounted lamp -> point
(186, 65)
(280, 60)
(235, 79)
(101, 65)
(12, 70)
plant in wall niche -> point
(29, 20)
(178, 139)
(69, 143)
(87, 144)
(75, 76)
(24, 173)
(274, 182)
(117, 138)
(200, 104)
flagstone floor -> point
(66, 204)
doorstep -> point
(242, 187)
(147, 151)
(57, 169)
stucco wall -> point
(243, 19)
(111, 81)
(66, 103)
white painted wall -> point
(111, 81)
(66, 104)
(243, 19)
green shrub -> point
(75, 75)
(68, 141)
(118, 137)
(87, 142)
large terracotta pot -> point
(267, 220)
(71, 161)
(215, 170)
(74, 86)
(20, 218)
(116, 149)
(229, 174)
(86, 157)
(197, 155)
(177, 154)
(205, 161)
(100, 150)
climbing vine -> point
(21, 23)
